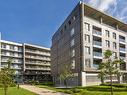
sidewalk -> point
(41, 91)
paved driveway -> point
(41, 91)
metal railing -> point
(97, 54)
(97, 32)
(122, 49)
(121, 40)
(97, 43)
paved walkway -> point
(41, 91)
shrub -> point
(33, 82)
(115, 85)
(68, 91)
(76, 90)
(13, 85)
(46, 83)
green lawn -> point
(15, 91)
(89, 90)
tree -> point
(109, 67)
(102, 73)
(6, 76)
(66, 74)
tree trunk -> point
(5, 91)
(102, 80)
(111, 85)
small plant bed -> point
(16, 91)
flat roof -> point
(36, 46)
(107, 19)
(10, 42)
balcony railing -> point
(97, 43)
(122, 40)
(122, 49)
(123, 58)
(95, 65)
(98, 54)
(97, 32)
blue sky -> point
(35, 21)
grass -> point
(89, 90)
(15, 91)
(53, 88)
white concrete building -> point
(30, 62)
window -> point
(87, 26)
(72, 53)
(114, 45)
(72, 42)
(107, 43)
(87, 50)
(3, 53)
(11, 54)
(114, 54)
(12, 47)
(114, 35)
(3, 46)
(72, 31)
(97, 31)
(69, 22)
(107, 33)
(73, 64)
(65, 27)
(19, 49)
(87, 63)
(87, 38)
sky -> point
(35, 21)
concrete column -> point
(117, 27)
(83, 78)
(101, 20)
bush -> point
(46, 83)
(0, 85)
(76, 90)
(13, 85)
(85, 92)
(33, 82)
(68, 91)
(115, 85)
(98, 88)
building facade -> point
(37, 63)
(13, 51)
(81, 41)
(30, 62)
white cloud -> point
(117, 8)
(102, 5)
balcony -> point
(122, 41)
(40, 69)
(97, 44)
(96, 66)
(36, 52)
(123, 50)
(98, 33)
(97, 55)
(123, 58)
(38, 58)
(41, 64)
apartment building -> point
(37, 63)
(81, 41)
(30, 62)
(13, 51)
